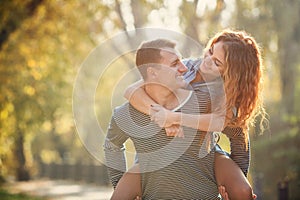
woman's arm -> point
(239, 147)
(203, 122)
(138, 98)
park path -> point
(61, 190)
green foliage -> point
(4, 195)
(281, 151)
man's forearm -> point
(116, 164)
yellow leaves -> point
(5, 112)
(36, 75)
(29, 90)
(47, 126)
(31, 63)
(35, 68)
(50, 156)
(25, 50)
(41, 11)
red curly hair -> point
(242, 77)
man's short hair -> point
(149, 53)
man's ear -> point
(151, 73)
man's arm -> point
(114, 152)
(240, 150)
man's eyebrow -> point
(175, 60)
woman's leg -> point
(129, 186)
(229, 175)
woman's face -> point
(213, 64)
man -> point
(170, 167)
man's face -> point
(171, 69)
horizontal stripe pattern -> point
(172, 168)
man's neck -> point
(165, 97)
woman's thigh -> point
(229, 175)
(129, 186)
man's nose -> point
(182, 68)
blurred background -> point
(44, 42)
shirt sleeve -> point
(193, 66)
(115, 152)
(240, 152)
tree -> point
(38, 61)
(10, 23)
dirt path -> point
(61, 190)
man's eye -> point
(176, 63)
(210, 51)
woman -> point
(234, 57)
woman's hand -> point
(162, 116)
(224, 194)
(166, 118)
(175, 131)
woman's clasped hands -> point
(167, 119)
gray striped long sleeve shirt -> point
(170, 167)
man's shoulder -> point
(121, 108)
(125, 110)
(130, 120)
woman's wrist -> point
(176, 118)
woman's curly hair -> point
(243, 77)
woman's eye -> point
(216, 63)
(210, 51)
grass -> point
(4, 195)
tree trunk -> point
(21, 12)
(22, 172)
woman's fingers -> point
(223, 192)
(156, 107)
(171, 131)
(175, 131)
